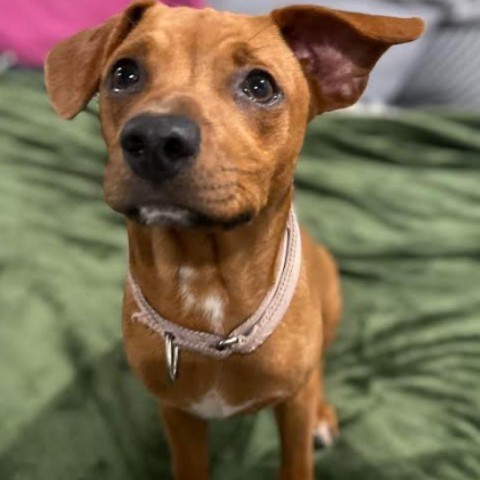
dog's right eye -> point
(125, 75)
(260, 87)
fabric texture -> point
(30, 28)
(449, 70)
(453, 10)
(396, 199)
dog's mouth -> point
(181, 217)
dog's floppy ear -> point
(73, 67)
(338, 50)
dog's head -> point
(204, 112)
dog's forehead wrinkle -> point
(231, 31)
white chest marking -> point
(210, 305)
(212, 405)
(185, 275)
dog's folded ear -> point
(338, 50)
(74, 66)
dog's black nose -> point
(157, 147)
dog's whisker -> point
(240, 171)
(216, 187)
(214, 124)
(214, 201)
(262, 30)
(257, 49)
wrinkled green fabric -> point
(396, 198)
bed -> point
(396, 196)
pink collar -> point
(248, 336)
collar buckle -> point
(227, 343)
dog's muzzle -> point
(158, 147)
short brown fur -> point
(321, 58)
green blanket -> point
(395, 197)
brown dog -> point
(204, 115)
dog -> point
(228, 307)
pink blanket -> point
(29, 28)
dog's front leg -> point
(188, 440)
(296, 419)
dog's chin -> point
(183, 218)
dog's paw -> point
(324, 436)
(326, 431)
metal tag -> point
(171, 355)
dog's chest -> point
(210, 387)
(214, 405)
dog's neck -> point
(208, 280)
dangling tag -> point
(171, 356)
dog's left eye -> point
(125, 74)
(260, 87)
